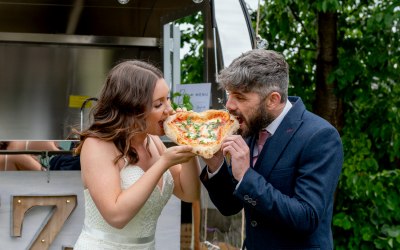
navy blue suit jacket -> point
(288, 195)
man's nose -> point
(230, 104)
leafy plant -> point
(366, 214)
(180, 100)
(192, 36)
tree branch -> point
(298, 19)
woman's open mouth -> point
(161, 124)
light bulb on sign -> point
(197, 1)
(123, 1)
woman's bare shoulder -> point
(92, 142)
(95, 147)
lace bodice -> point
(136, 234)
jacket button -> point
(253, 203)
(253, 223)
(246, 197)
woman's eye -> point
(161, 103)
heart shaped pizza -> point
(203, 131)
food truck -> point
(54, 56)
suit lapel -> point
(277, 143)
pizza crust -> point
(207, 150)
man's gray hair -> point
(258, 70)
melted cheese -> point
(200, 132)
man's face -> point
(250, 110)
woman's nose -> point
(168, 109)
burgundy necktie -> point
(262, 137)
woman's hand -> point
(176, 155)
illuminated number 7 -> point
(62, 209)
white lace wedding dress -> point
(139, 233)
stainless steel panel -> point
(37, 80)
(79, 39)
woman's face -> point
(161, 109)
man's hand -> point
(215, 162)
(239, 152)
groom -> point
(286, 187)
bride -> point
(127, 172)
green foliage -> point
(366, 212)
(288, 28)
(192, 37)
(367, 202)
(192, 42)
(181, 101)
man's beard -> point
(256, 122)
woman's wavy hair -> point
(122, 107)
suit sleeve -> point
(316, 170)
(220, 189)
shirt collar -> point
(273, 126)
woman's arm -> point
(186, 176)
(42, 145)
(187, 182)
(24, 162)
(102, 178)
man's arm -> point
(220, 188)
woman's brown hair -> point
(124, 102)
